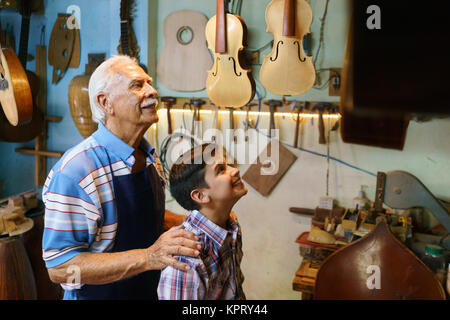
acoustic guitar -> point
(228, 84)
(184, 59)
(287, 70)
(20, 118)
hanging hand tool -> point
(333, 109)
(231, 110)
(168, 102)
(247, 119)
(320, 108)
(273, 104)
(215, 122)
(299, 106)
(196, 117)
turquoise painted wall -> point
(100, 32)
(269, 230)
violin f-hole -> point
(217, 67)
(299, 54)
(276, 54)
(234, 67)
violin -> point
(228, 84)
(287, 70)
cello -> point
(228, 84)
(287, 70)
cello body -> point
(287, 70)
(228, 84)
(376, 267)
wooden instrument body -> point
(287, 70)
(16, 274)
(183, 66)
(16, 100)
(61, 45)
(347, 273)
(228, 84)
(80, 106)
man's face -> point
(133, 98)
(224, 181)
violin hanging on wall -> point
(287, 70)
(228, 84)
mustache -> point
(150, 102)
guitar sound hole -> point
(185, 35)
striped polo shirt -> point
(79, 199)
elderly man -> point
(104, 199)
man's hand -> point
(176, 241)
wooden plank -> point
(264, 183)
(40, 163)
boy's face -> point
(225, 183)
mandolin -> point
(15, 92)
(20, 119)
(228, 84)
(287, 70)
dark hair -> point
(188, 173)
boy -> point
(203, 183)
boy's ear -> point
(200, 196)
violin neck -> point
(221, 27)
(289, 18)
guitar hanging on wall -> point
(184, 59)
(287, 70)
(127, 43)
(228, 84)
(20, 118)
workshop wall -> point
(100, 33)
(271, 256)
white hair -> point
(101, 81)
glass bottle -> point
(435, 260)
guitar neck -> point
(124, 42)
(23, 44)
(221, 28)
(289, 18)
(125, 27)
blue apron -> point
(140, 200)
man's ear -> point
(105, 103)
(200, 196)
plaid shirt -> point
(216, 274)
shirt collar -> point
(115, 145)
(212, 230)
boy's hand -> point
(176, 241)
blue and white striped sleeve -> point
(70, 220)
